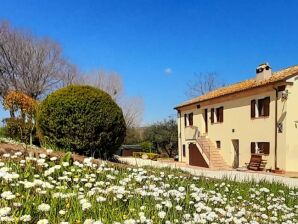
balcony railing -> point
(191, 133)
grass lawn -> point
(46, 190)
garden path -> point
(218, 174)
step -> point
(201, 142)
(206, 144)
(209, 148)
(217, 163)
(216, 156)
(216, 159)
(215, 153)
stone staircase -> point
(216, 160)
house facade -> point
(225, 127)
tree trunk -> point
(30, 141)
(11, 112)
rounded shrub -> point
(82, 119)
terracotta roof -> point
(244, 85)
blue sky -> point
(157, 46)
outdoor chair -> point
(256, 163)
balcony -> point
(191, 133)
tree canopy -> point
(34, 66)
(164, 136)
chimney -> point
(263, 71)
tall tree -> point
(203, 83)
(111, 82)
(134, 135)
(34, 66)
(20, 126)
(133, 109)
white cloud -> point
(168, 71)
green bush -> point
(137, 154)
(81, 119)
(18, 129)
(146, 146)
(2, 133)
(152, 156)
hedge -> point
(82, 119)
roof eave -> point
(272, 83)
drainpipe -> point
(275, 131)
(180, 138)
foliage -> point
(20, 127)
(146, 146)
(2, 132)
(164, 136)
(67, 158)
(133, 136)
(133, 109)
(34, 189)
(31, 64)
(152, 156)
(17, 101)
(82, 119)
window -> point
(217, 115)
(260, 108)
(188, 119)
(218, 144)
(281, 88)
(260, 148)
(183, 151)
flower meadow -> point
(45, 189)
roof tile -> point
(244, 85)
